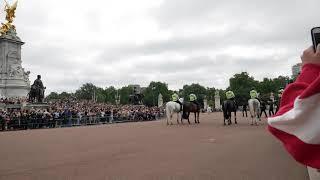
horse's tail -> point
(254, 107)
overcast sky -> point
(121, 42)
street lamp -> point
(153, 88)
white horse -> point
(254, 106)
(172, 108)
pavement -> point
(148, 150)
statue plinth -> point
(14, 80)
(36, 106)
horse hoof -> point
(251, 124)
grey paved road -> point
(148, 150)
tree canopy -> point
(240, 84)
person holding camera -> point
(297, 123)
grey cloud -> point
(249, 23)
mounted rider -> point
(193, 99)
(175, 98)
(253, 94)
(230, 95)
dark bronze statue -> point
(136, 99)
(36, 93)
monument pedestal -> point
(36, 106)
(14, 80)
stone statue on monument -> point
(8, 26)
(14, 80)
(37, 91)
(160, 100)
(217, 103)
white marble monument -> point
(217, 103)
(205, 103)
(160, 100)
(14, 80)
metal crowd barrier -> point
(39, 123)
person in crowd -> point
(263, 108)
(244, 109)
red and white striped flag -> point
(297, 124)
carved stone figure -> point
(37, 91)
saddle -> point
(181, 105)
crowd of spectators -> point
(7, 101)
(75, 113)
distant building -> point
(296, 69)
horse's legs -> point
(198, 117)
(171, 123)
(188, 117)
(178, 118)
(251, 119)
(181, 118)
(235, 117)
(224, 117)
(229, 118)
(195, 117)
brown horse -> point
(189, 107)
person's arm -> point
(310, 74)
(296, 123)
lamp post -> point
(153, 88)
(117, 98)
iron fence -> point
(24, 123)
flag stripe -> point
(308, 154)
(303, 120)
(297, 124)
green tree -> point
(124, 93)
(52, 96)
(152, 92)
(241, 85)
(86, 91)
(65, 95)
(197, 89)
(110, 94)
(100, 95)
